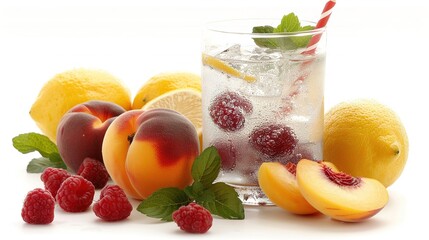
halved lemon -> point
(224, 67)
(186, 101)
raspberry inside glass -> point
(228, 109)
(273, 140)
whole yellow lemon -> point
(163, 83)
(73, 87)
(365, 138)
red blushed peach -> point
(81, 131)
(144, 151)
(339, 195)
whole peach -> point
(144, 151)
(81, 131)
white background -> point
(376, 49)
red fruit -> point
(112, 189)
(52, 179)
(227, 153)
(75, 194)
(113, 204)
(39, 206)
(193, 218)
(94, 171)
(273, 140)
(227, 111)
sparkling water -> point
(287, 92)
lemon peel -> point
(72, 87)
(365, 138)
(164, 82)
(224, 67)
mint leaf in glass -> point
(162, 203)
(265, 42)
(289, 24)
(302, 41)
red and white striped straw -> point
(323, 20)
(311, 49)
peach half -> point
(339, 195)
(144, 151)
(278, 182)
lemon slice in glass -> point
(224, 67)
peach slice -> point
(339, 195)
(279, 184)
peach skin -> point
(81, 131)
(144, 151)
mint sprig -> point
(31, 142)
(162, 203)
(218, 198)
(290, 23)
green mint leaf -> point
(194, 191)
(290, 23)
(163, 202)
(222, 200)
(37, 165)
(302, 41)
(206, 167)
(265, 42)
(30, 142)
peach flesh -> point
(291, 167)
(340, 178)
(338, 195)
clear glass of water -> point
(262, 99)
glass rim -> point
(215, 26)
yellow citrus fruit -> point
(224, 67)
(73, 87)
(165, 82)
(367, 139)
(186, 101)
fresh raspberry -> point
(193, 218)
(94, 171)
(52, 179)
(112, 190)
(113, 204)
(227, 153)
(227, 111)
(75, 194)
(273, 140)
(38, 207)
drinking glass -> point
(262, 99)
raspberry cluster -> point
(75, 193)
